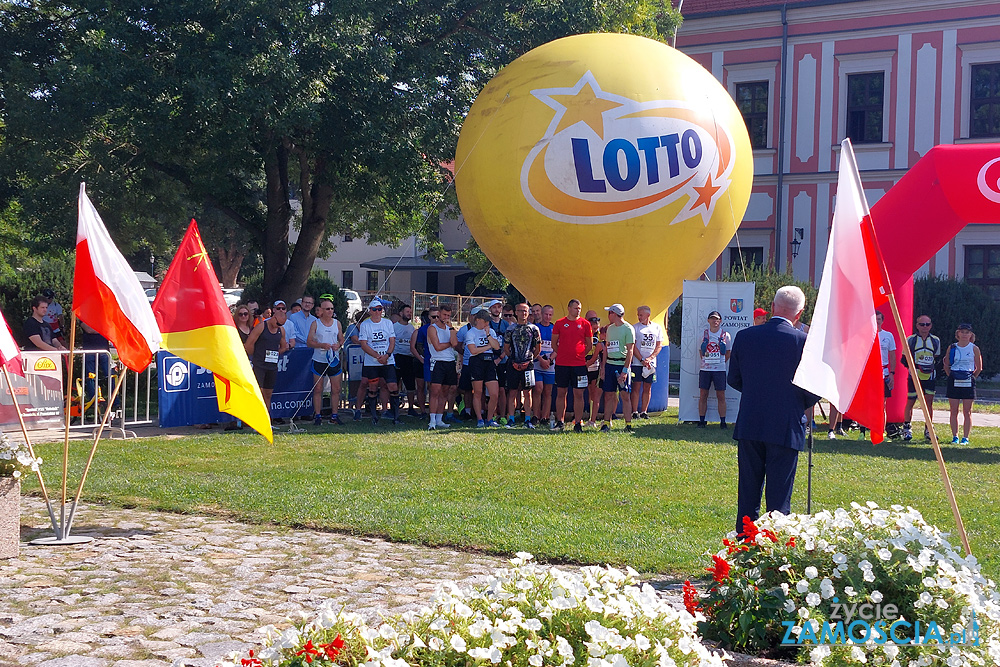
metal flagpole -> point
(31, 450)
(949, 491)
(809, 476)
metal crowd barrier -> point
(94, 375)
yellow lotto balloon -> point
(603, 167)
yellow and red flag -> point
(197, 326)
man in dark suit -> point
(771, 425)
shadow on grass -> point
(913, 451)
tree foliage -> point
(338, 116)
(951, 302)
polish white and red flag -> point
(842, 361)
(106, 293)
(10, 353)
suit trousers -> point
(759, 461)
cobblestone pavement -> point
(155, 589)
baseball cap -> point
(279, 302)
(376, 303)
(615, 308)
(491, 303)
(759, 312)
(714, 313)
(965, 325)
(48, 293)
(298, 302)
(479, 309)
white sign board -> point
(734, 301)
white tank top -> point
(965, 359)
(447, 354)
(326, 334)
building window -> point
(348, 238)
(982, 267)
(865, 97)
(752, 257)
(984, 111)
(751, 98)
(347, 279)
(385, 283)
(432, 282)
(372, 281)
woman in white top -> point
(963, 363)
(326, 338)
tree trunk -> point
(316, 200)
(230, 261)
(279, 214)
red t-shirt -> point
(573, 337)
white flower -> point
(884, 553)
(532, 624)
(802, 586)
(642, 642)
(876, 596)
(435, 644)
(789, 606)
(813, 599)
(811, 572)
(535, 660)
(839, 558)
(457, 643)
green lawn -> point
(657, 500)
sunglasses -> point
(594, 319)
(379, 310)
(280, 308)
(923, 324)
(243, 314)
(508, 314)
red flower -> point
(250, 661)
(692, 601)
(332, 649)
(750, 530)
(720, 570)
(790, 542)
(308, 651)
(770, 535)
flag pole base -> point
(58, 542)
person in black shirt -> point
(37, 333)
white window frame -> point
(864, 63)
(974, 54)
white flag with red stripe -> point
(107, 295)
(841, 360)
(10, 353)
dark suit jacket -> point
(761, 366)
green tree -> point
(349, 108)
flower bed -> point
(16, 458)
(525, 616)
(850, 587)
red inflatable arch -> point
(948, 188)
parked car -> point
(151, 294)
(354, 304)
(232, 295)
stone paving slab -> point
(155, 589)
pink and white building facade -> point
(897, 76)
